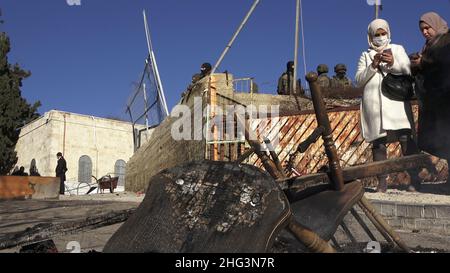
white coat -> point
(378, 113)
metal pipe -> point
(235, 36)
(297, 17)
(154, 65)
(377, 9)
(146, 107)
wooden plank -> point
(319, 157)
(301, 132)
(347, 135)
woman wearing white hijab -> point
(384, 120)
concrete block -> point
(415, 211)
(395, 222)
(409, 223)
(447, 229)
(430, 212)
(430, 225)
(443, 212)
(402, 210)
(389, 209)
(377, 206)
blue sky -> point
(84, 59)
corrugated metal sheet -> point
(352, 149)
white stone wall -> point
(34, 143)
(104, 140)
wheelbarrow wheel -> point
(111, 188)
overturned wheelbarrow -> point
(211, 207)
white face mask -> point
(381, 41)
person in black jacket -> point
(431, 68)
(61, 170)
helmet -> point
(340, 67)
(205, 68)
(290, 66)
(322, 68)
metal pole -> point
(146, 110)
(235, 36)
(377, 9)
(297, 20)
(154, 65)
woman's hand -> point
(388, 59)
(377, 60)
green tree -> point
(15, 111)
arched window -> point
(119, 170)
(84, 169)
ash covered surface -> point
(205, 207)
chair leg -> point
(381, 224)
(377, 225)
(309, 238)
(348, 233)
(362, 224)
(335, 243)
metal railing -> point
(245, 85)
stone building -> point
(91, 145)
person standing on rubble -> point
(340, 80)
(323, 79)
(286, 82)
(205, 70)
(61, 169)
(384, 120)
(431, 68)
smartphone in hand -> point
(385, 57)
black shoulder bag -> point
(397, 87)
